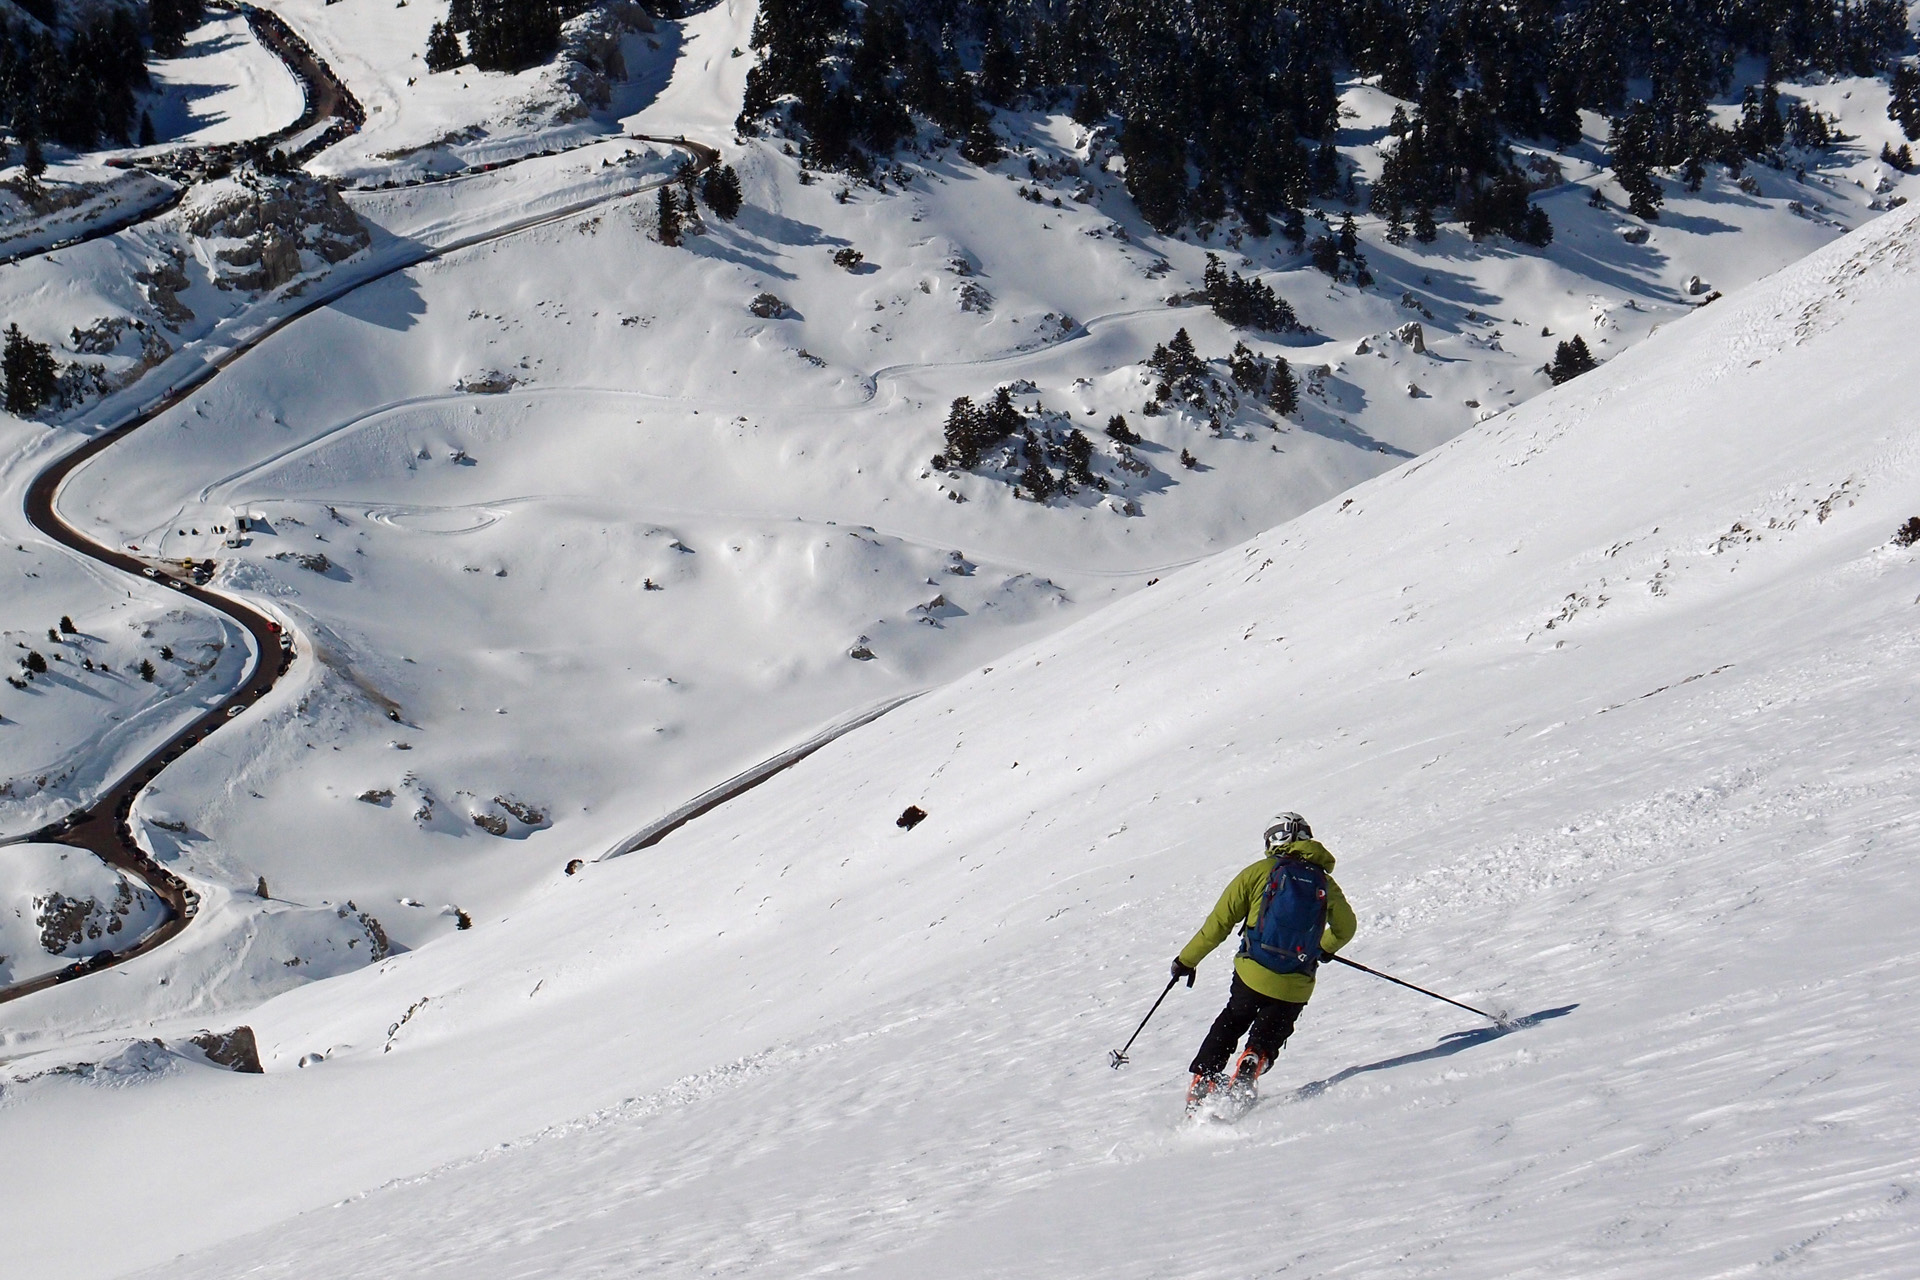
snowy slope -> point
(224, 87)
(495, 689)
(1607, 708)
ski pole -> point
(1355, 964)
(1117, 1058)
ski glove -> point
(1186, 971)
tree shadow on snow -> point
(1447, 1047)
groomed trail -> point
(103, 829)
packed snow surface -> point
(1606, 708)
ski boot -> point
(1205, 1084)
(1240, 1090)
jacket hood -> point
(1305, 850)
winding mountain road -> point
(104, 828)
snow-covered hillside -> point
(1606, 708)
(577, 525)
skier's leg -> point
(1226, 1031)
(1273, 1023)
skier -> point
(1291, 916)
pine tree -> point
(1002, 417)
(721, 188)
(36, 663)
(1248, 369)
(1283, 392)
(981, 145)
(146, 670)
(1118, 429)
(1036, 479)
(1079, 451)
(34, 162)
(443, 48)
(1424, 228)
(1091, 106)
(1570, 360)
(963, 434)
(1903, 107)
(1631, 141)
(146, 135)
(29, 371)
(1325, 253)
(668, 218)
(1156, 173)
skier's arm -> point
(1340, 920)
(1228, 914)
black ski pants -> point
(1270, 1022)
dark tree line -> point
(502, 35)
(1247, 304)
(28, 370)
(973, 429)
(77, 88)
(1232, 104)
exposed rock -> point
(1634, 235)
(378, 946)
(589, 63)
(768, 306)
(272, 224)
(1413, 335)
(315, 562)
(488, 382)
(163, 284)
(66, 923)
(525, 813)
(235, 1050)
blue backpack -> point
(1285, 935)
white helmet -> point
(1286, 828)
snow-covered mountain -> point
(1601, 695)
(578, 525)
(1606, 708)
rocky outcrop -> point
(588, 64)
(235, 1050)
(275, 228)
(66, 924)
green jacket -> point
(1241, 903)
